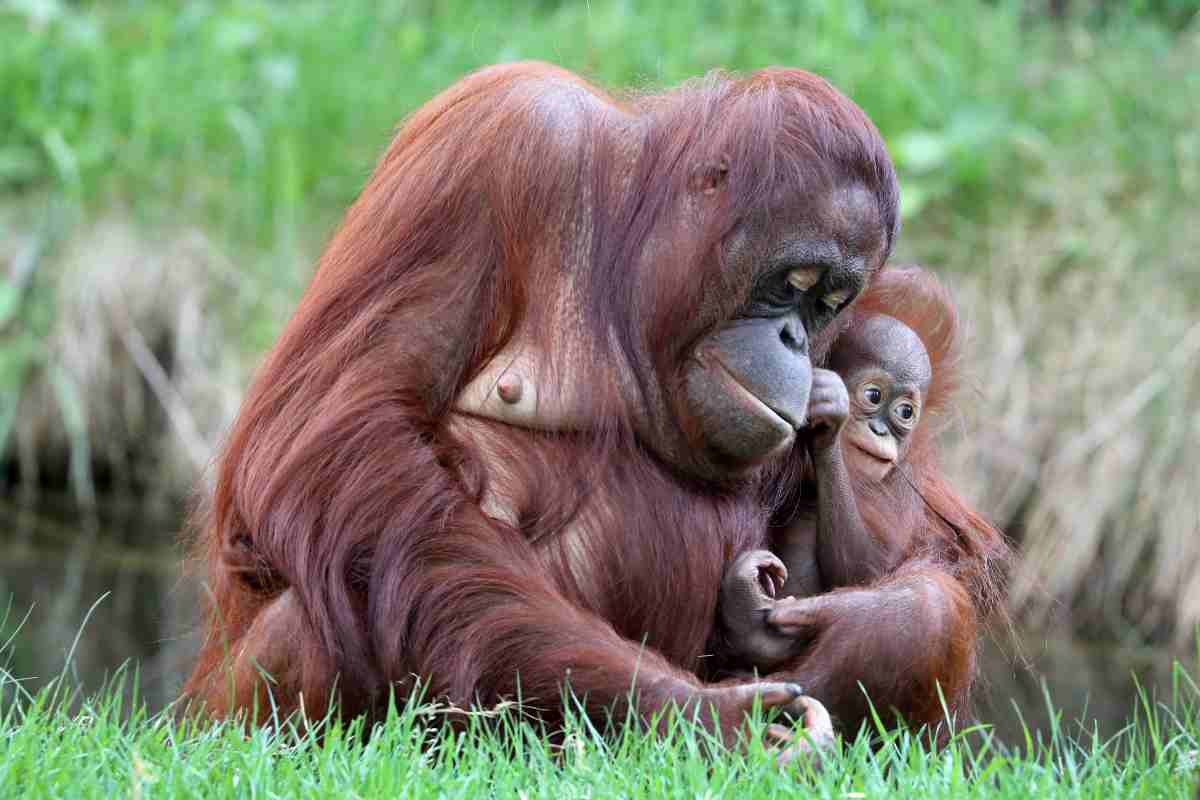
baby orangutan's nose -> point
(878, 428)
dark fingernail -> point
(796, 690)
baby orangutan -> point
(864, 412)
(866, 530)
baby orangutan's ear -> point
(708, 177)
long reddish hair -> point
(521, 202)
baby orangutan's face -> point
(887, 372)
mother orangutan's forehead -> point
(839, 228)
(853, 214)
(887, 343)
(847, 214)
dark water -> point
(108, 585)
(125, 561)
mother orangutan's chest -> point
(656, 584)
(624, 541)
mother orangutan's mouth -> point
(756, 402)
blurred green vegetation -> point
(263, 118)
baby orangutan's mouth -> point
(870, 464)
(876, 455)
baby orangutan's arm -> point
(847, 551)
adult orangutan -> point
(517, 426)
(874, 502)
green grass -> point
(104, 750)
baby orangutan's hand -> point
(759, 575)
(748, 596)
(828, 408)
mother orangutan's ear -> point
(708, 177)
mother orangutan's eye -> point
(804, 278)
(833, 301)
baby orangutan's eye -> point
(871, 395)
(905, 413)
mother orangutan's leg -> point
(268, 668)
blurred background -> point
(170, 170)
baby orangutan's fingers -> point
(794, 617)
(772, 574)
(759, 575)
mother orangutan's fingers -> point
(778, 735)
(817, 723)
(775, 694)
